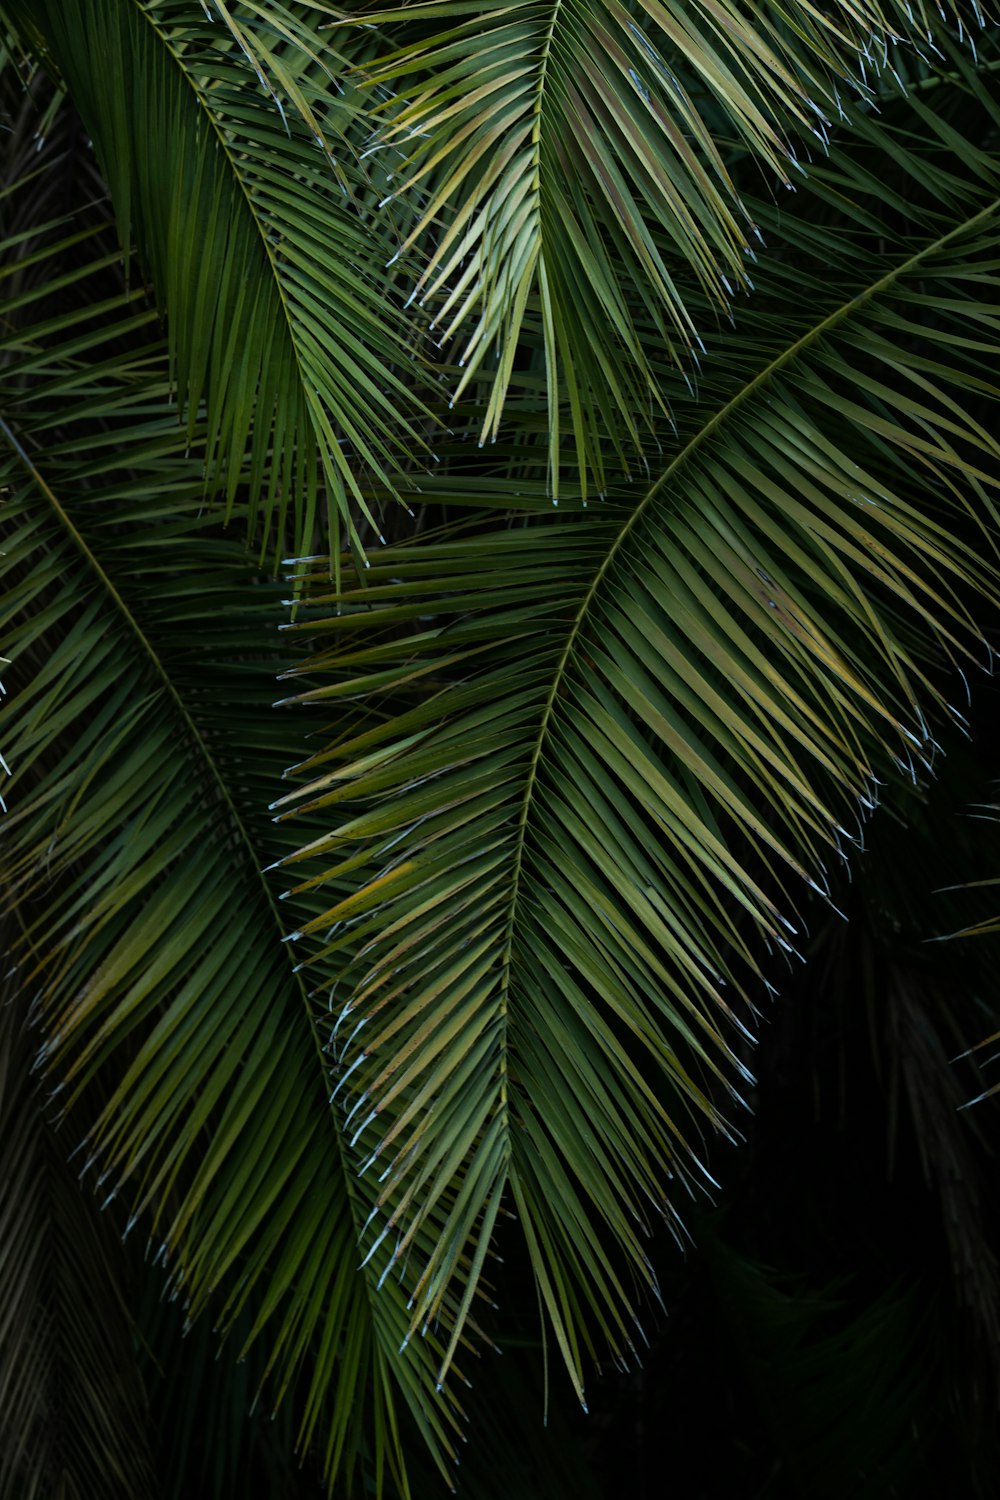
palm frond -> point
(572, 164)
(72, 1408)
(588, 760)
(142, 748)
(255, 222)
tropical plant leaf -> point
(579, 767)
(572, 164)
(142, 749)
(254, 218)
(72, 1407)
(591, 757)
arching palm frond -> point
(572, 163)
(591, 756)
(227, 148)
(142, 749)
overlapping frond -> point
(572, 165)
(588, 759)
(142, 749)
(580, 764)
(226, 144)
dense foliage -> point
(615, 528)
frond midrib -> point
(216, 127)
(543, 72)
(218, 130)
(536, 142)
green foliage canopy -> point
(565, 774)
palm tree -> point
(606, 622)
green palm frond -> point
(142, 749)
(226, 143)
(582, 764)
(572, 164)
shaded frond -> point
(847, 1387)
(72, 1408)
